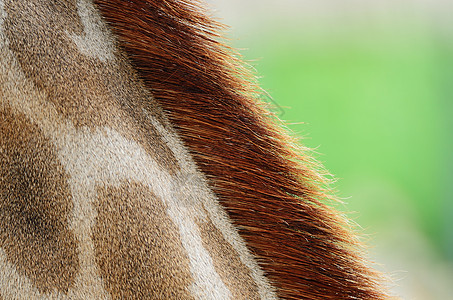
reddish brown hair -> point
(269, 188)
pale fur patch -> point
(96, 40)
(2, 13)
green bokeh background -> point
(378, 113)
(373, 95)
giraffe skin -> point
(99, 198)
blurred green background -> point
(369, 86)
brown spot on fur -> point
(270, 189)
(83, 89)
(35, 204)
(226, 261)
(137, 246)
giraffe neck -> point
(99, 198)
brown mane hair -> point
(270, 190)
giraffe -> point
(136, 162)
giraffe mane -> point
(268, 185)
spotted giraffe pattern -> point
(99, 199)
